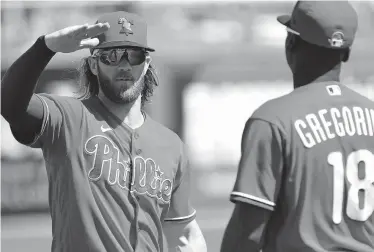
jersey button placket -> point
(136, 146)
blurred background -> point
(217, 62)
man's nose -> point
(124, 65)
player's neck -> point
(304, 78)
(130, 114)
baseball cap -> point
(126, 30)
(331, 24)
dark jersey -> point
(309, 157)
(110, 187)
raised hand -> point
(75, 37)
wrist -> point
(47, 41)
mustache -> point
(125, 77)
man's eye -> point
(113, 56)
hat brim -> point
(284, 20)
(113, 44)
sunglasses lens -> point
(114, 57)
(109, 57)
(135, 57)
(104, 58)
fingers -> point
(79, 30)
(89, 43)
(96, 29)
(88, 31)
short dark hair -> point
(342, 55)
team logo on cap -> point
(337, 39)
(126, 26)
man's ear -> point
(93, 65)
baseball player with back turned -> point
(305, 181)
(118, 180)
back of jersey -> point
(327, 198)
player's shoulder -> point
(275, 110)
(354, 95)
(69, 107)
(162, 133)
(60, 100)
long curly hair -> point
(89, 86)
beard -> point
(121, 91)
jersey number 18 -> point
(364, 186)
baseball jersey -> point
(308, 156)
(110, 187)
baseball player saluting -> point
(118, 181)
(306, 176)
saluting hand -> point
(75, 37)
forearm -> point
(198, 244)
(192, 242)
(19, 82)
(184, 237)
(246, 229)
(234, 240)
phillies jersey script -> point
(309, 157)
(110, 186)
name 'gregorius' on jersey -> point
(317, 169)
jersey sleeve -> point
(61, 118)
(259, 176)
(180, 209)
